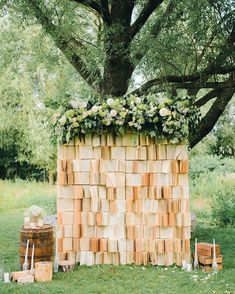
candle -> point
(6, 278)
(214, 263)
(32, 262)
(25, 265)
(195, 262)
(27, 222)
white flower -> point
(83, 104)
(62, 120)
(164, 112)
(131, 124)
(113, 112)
(95, 108)
(110, 102)
(137, 100)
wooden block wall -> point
(123, 200)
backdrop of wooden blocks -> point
(130, 257)
(181, 152)
(174, 166)
(67, 244)
(138, 231)
(70, 178)
(165, 220)
(179, 219)
(176, 192)
(77, 205)
(142, 153)
(171, 151)
(90, 258)
(113, 206)
(115, 180)
(103, 140)
(131, 153)
(166, 233)
(169, 258)
(94, 245)
(130, 140)
(138, 258)
(138, 167)
(158, 219)
(186, 219)
(106, 152)
(91, 218)
(183, 180)
(164, 180)
(174, 179)
(94, 178)
(177, 245)
(184, 205)
(186, 245)
(76, 248)
(151, 245)
(112, 245)
(185, 191)
(81, 178)
(152, 152)
(153, 258)
(60, 244)
(166, 192)
(169, 245)
(186, 232)
(83, 218)
(145, 179)
(121, 206)
(115, 258)
(81, 165)
(121, 245)
(95, 165)
(86, 191)
(94, 191)
(130, 232)
(104, 205)
(111, 193)
(155, 232)
(88, 139)
(77, 192)
(161, 152)
(184, 166)
(71, 153)
(86, 205)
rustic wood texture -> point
(123, 200)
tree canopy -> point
(120, 47)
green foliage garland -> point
(154, 115)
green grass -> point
(16, 197)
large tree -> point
(170, 44)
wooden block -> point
(169, 258)
(166, 233)
(94, 205)
(16, 275)
(113, 206)
(77, 231)
(130, 232)
(206, 249)
(183, 179)
(79, 140)
(208, 268)
(84, 244)
(152, 152)
(118, 153)
(94, 245)
(161, 151)
(62, 178)
(104, 205)
(153, 258)
(97, 153)
(95, 165)
(166, 192)
(123, 259)
(120, 193)
(99, 258)
(171, 219)
(130, 257)
(91, 221)
(68, 231)
(208, 260)
(86, 205)
(160, 246)
(107, 258)
(43, 271)
(131, 153)
(130, 140)
(168, 245)
(163, 180)
(138, 167)
(106, 152)
(111, 140)
(96, 141)
(184, 166)
(153, 179)
(65, 204)
(185, 191)
(181, 152)
(112, 245)
(130, 245)
(81, 165)
(67, 218)
(177, 246)
(176, 192)
(103, 245)
(174, 166)
(155, 166)
(84, 152)
(115, 179)
(81, 178)
(78, 192)
(111, 193)
(70, 178)
(142, 153)
(88, 139)
(145, 179)
(165, 220)
(166, 166)
(187, 219)
(186, 245)
(67, 244)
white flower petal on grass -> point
(95, 108)
(164, 112)
(110, 102)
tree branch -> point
(66, 46)
(183, 80)
(105, 11)
(209, 120)
(143, 17)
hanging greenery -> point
(153, 115)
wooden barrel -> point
(43, 241)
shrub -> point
(223, 207)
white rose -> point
(83, 104)
(95, 108)
(131, 124)
(137, 100)
(164, 112)
(113, 112)
(62, 120)
(110, 102)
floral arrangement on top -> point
(153, 115)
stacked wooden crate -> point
(123, 200)
(205, 256)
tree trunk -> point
(51, 177)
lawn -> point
(16, 197)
